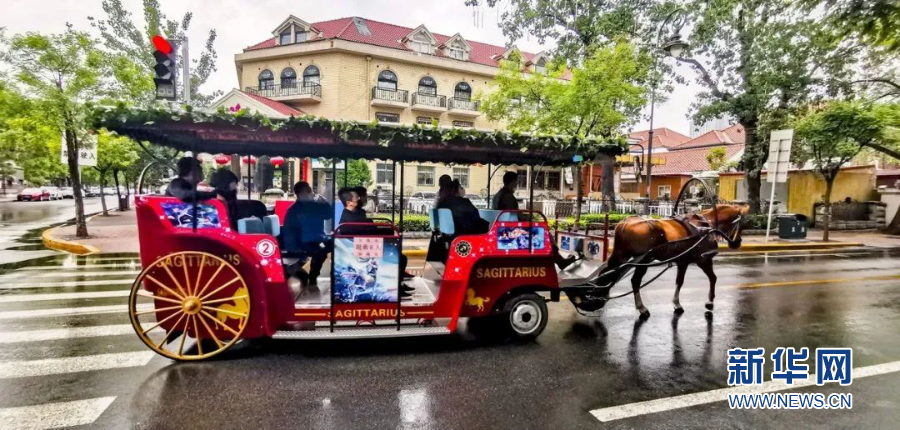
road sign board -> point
(779, 160)
(87, 154)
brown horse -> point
(640, 240)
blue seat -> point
(271, 225)
(488, 215)
(433, 220)
(509, 216)
(251, 225)
(445, 221)
(338, 210)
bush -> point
(758, 222)
(411, 222)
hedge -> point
(414, 222)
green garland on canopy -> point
(121, 114)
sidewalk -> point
(118, 233)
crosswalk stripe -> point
(84, 363)
(63, 296)
(54, 415)
(67, 284)
(135, 265)
(65, 274)
(65, 333)
(40, 313)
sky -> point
(241, 23)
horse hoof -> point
(709, 305)
(679, 310)
(645, 314)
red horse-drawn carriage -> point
(205, 286)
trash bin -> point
(123, 203)
(792, 226)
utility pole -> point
(186, 70)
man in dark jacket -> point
(304, 229)
(505, 199)
(466, 219)
(184, 187)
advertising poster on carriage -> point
(517, 238)
(366, 269)
(181, 215)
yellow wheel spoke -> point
(184, 336)
(226, 311)
(164, 321)
(172, 276)
(238, 278)
(187, 278)
(197, 335)
(170, 308)
(170, 332)
(211, 333)
(210, 281)
(169, 290)
(149, 295)
(206, 314)
(199, 274)
(228, 299)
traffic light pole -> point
(186, 70)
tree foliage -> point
(124, 36)
(716, 158)
(358, 174)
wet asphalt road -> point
(68, 356)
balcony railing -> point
(399, 96)
(429, 100)
(283, 90)
(463, 104)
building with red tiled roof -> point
(662, 137)
(364, 70)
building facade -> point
(363, 70)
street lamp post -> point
(674, 46)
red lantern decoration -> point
(222, 159)
(248, 160)
(277, 161)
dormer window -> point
(456, 53)
(285, 37)
(457, 48)
(300, 35)
(294, 30)
(541, 66)
(421, 44)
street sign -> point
(779, 156)
(87, 156)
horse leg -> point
(707, 267)
(679, 281)
(636, 278)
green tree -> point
(358, 174)
(764, 58)
(876, 21)
(27, 141)
(832, 136)
(62, 72)
(716, 158)
(124, 36)
(603, 95)
(114, 154)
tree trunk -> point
(894, 226)
(81, 230)
(116, 181)
(829, 183)
(753, 161)
(103, 196)
(608, 183)
(579, 193)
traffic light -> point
(164, 70)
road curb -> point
(67, 246)
(778, 246)
(415, 253)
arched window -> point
(288, 78)
(387, 80)
(427, 86)
(311, 76)
(463, 91)
(266, 80)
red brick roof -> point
(686, 161)
(390, 35)
(662, 137)
(279, 107)
(729, 136)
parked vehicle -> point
(477, 200)
(33, 195)
(55, 193)
(67, 192)
(421, 202)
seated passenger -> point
(466, 219)
(304, 229)
(505, 199)
(225, 182)
(443, 186)
(184, 187)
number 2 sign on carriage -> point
(265, 248)
(745, 367)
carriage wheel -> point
(189, 305)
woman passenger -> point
(225, 183)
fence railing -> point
(280, 90)
(463, 104)
(400, 96)
(429, 100)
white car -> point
(67, 192)
(421, 202)
(55, 193)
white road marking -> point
(63, 273)
(84, 363)
(64, 333)
(63, 296)
(41, 313)
(66, 284)
(135, 266)
(695, 399)
(54, 415)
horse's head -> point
(730, 220)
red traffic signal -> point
(162, 44)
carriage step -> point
(360, 332)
